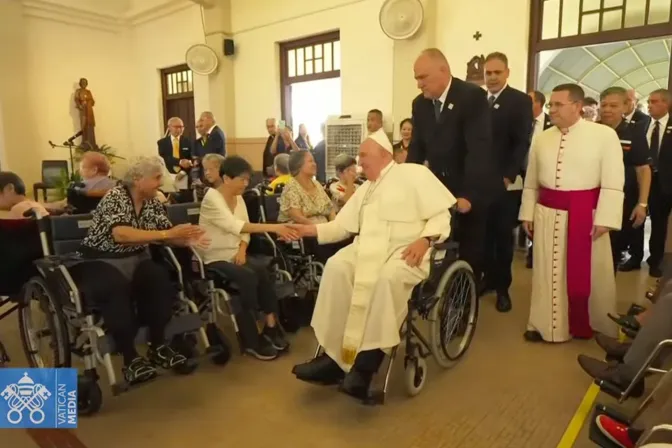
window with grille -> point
(316, 57)
(178, 81)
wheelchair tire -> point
(4, 356)
(415, 376)
(89, 397)
(461, 272)
(60, 343)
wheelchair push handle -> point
(42, 227)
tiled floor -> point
(505, 393)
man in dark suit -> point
(511, 116)
(633, 114)
(542, 121)
(452, 132)
(659, 138)
(212, 141)
(176, 151)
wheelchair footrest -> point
(635, 309)
(616, 414)
(285, 289)
(610, 388)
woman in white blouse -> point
(225, 220)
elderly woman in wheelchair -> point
(363, 299)
(224, 217)
(120, 275)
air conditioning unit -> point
(343, 135)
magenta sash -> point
(579, 205)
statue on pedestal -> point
(85, 102)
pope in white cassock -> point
(573, 196)
(396, 216)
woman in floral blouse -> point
(120, 274)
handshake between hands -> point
(294, 232)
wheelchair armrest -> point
(446, 245)
(52, 262)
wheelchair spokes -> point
(43, 332)
(453, 317)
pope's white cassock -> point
(574, 182)
(365, 287)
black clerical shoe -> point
(630, 265)
(356, 384)
(532, 336)
(655, 272)
(503, 304)
(322, 370)
(614, 349)
(611, 373)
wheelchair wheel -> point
(89, 396)
(415, 376)
(4, 356)
(453, 317)
(41, 317)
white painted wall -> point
(258, 25)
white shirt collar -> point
(541, 117)
(496, 95)
(172, 137)
(630, 115)
(210, 130)
(443, 96)
(663, 121)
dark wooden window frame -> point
(536, 44)
(165, 97)
(286, 82)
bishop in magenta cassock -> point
(573, 197)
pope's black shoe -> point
(322, 370)
(356, 384)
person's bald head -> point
(632, 101)
(432, 72)
(373, 157)
(208, 119)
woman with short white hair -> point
(211, 163)
(120, 274)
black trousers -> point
(622, 239)
(257, 292)
(499, 243)
(147, 299)
(660, 206)
(470, 231)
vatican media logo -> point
(38, 398)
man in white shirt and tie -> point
(633, 114)
(176, 150)
(659, 137)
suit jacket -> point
(639, 117)
(215, 143)
(512, 122)
(665, 159)
(458, 147)
(165, 146)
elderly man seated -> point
(396, 216)
(632, 356)
(281, 169)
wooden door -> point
(178, 97)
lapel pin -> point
(496, 106)
(450, 106)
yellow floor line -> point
(580, 416)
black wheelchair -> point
(302, 265)
(214, 292)
(72, 326)
(448, 301)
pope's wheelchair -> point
(448, 301)
(214, 293)
(73, 326)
